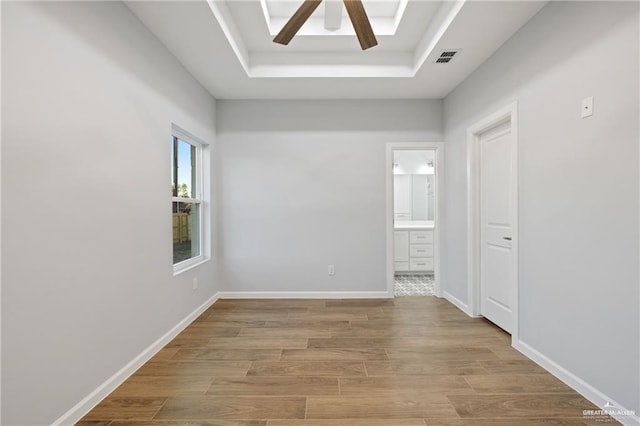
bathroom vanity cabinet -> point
(413, 249)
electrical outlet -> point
(587, 107)
(331, 270)
(195, 283)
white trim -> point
(98, 394)
(508, 113)
(305, 295)
(186, 200)
(201, 197)
(180, 133)
(573, 381)
(438, 147)
(228, 27)
(459, 304)
(388, 178)
(188, 264)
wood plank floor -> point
(406, 361)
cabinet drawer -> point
(421, 264)
(421, 250)
(400, 266)
(420, 237)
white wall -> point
(0, 216)
(88, 99)
(302, 185)
(578, 186)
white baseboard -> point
(579, 385)
(90, 401)
(305, 295)
(458, 303)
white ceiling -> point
(257, 31)
(227, 47)
(384, 15)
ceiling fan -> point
(357, 15)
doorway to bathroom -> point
(414, 179)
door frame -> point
(507, 113)
(438, 215)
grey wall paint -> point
(88, 99)
(303, 186)
(578, 186)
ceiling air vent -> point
(446, 56)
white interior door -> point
(498, 267)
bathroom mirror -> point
(413, 185)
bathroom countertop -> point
(402, 225)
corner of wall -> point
(608, 405)
(0, 216)
(98, 394)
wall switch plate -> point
(195, 283)
(587, 107)
(331, 270)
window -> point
(187, 204)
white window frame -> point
(200, 197)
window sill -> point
(186, 265)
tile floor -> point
(414, 285)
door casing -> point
(507, 113)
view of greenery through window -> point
(185, 204)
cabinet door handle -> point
(506, 238)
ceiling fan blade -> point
(297, 21)
(361, 23)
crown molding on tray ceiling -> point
(354, 64)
